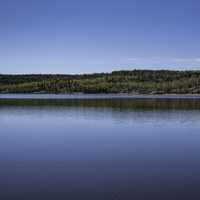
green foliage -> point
(135, 81)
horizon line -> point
(104, 72)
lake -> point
(99, 147)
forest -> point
(132, 81)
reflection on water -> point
(99, 149)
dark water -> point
(100, 149)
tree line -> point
(134, 81)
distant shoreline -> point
(135, 82)
(96, 96)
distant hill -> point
(135, 81)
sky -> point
(86, 36)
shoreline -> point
(96, 96)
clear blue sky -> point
(79, 36)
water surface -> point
(99, 148)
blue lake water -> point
(99, 149)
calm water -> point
(99, 149)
